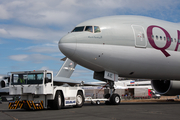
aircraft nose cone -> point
(67, 45)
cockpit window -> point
(89, 28)
(78, 29)
(96, 29)
(92, 29)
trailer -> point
(98, 94)
(143, 93)
(38, 91)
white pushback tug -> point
(39, 90)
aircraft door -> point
(139, 36)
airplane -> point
(127, 46)
(4, 82)
(4, 86)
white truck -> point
(39, 90)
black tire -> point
(57, 103)
(98, 102)
(115, 99)
(79, 100)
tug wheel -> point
(57, 103)
(79, 100)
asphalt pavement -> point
(124, 111)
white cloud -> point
(44, 68)
(35, 58)
(64, 12)
(4, 13)
(44, 48)
(3, 31)
(18, 57)
(38, 58)
(37, 20)
(31, 33)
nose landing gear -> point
(114, 99)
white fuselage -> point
(130, 46)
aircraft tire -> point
(115, 99)
(98, 102)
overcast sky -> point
(30, 29)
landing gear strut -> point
(114, 99)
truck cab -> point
(31, 82)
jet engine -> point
(166, 87)
(5, 82)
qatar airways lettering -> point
(168, 40)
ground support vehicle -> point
(145, 93)
(38, 91)
(155, 95)
(96, 95)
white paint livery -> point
(129, 46)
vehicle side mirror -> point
(46, 80)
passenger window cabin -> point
(168, 39)
(156, 37)
(152, 36)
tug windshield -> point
(33, 78)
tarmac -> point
(127, 110)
